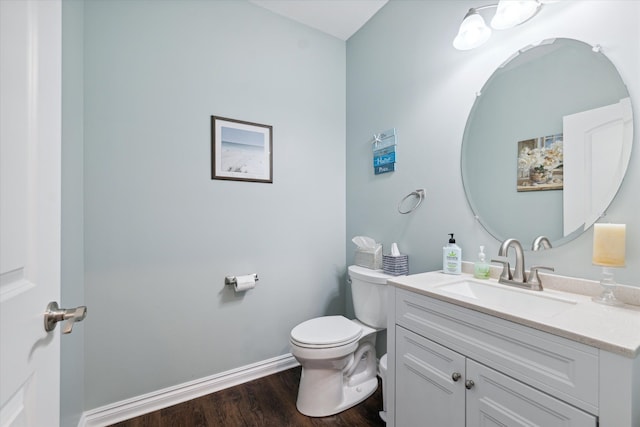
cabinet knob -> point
(469, 384)
(456, 376)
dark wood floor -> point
(268, 401)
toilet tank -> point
(369, 292)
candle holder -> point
(608, 251)
(608, 284)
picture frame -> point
(540, 164)
(241, 150)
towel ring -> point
(419, 193)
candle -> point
(609, 244)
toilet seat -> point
(326, 332)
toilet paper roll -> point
(244, 283)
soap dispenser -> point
(481, 268)
(452, 257)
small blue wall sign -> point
(384, 152)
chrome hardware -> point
(518, 272)
(419, 193)
(468, 384)
(232, 280)
(506, 268)
(534, 280)
(518, 277)
(456, 376)
(55, 314)
(541, 242)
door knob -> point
(456, 376)
(469, 384)
(55, 314)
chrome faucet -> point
(518, 272)
(541, 242)
(518, 276)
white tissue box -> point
(369, 258)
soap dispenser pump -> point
(481, 269)
(452, 257)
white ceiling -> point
(339, 18)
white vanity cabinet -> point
(451, 366)
(440, 387)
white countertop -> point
(614, 329)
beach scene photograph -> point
(242, 151)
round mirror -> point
(547, 142)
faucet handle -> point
(534, 279)
(506, 268)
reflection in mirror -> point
(547, 143)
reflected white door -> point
(30, 144)
(597, 148)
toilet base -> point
(352, 395)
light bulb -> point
(473, 32)
(514, 12)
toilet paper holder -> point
(231, 280)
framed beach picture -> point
(241, 151)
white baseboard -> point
(136, 406)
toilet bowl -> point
(338, 355)
(338, 365)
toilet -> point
(338, 355)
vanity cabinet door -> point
(436, 386)
(498, 400)
(429, 383)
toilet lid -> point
(327, 331)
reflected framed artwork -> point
(241, 151)
(540, 164)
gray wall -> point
(403, 72)
(160, 235)
(72, 249)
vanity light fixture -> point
(474, 31)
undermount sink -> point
(504, 297)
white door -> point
(597, 148)
(30, 143)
